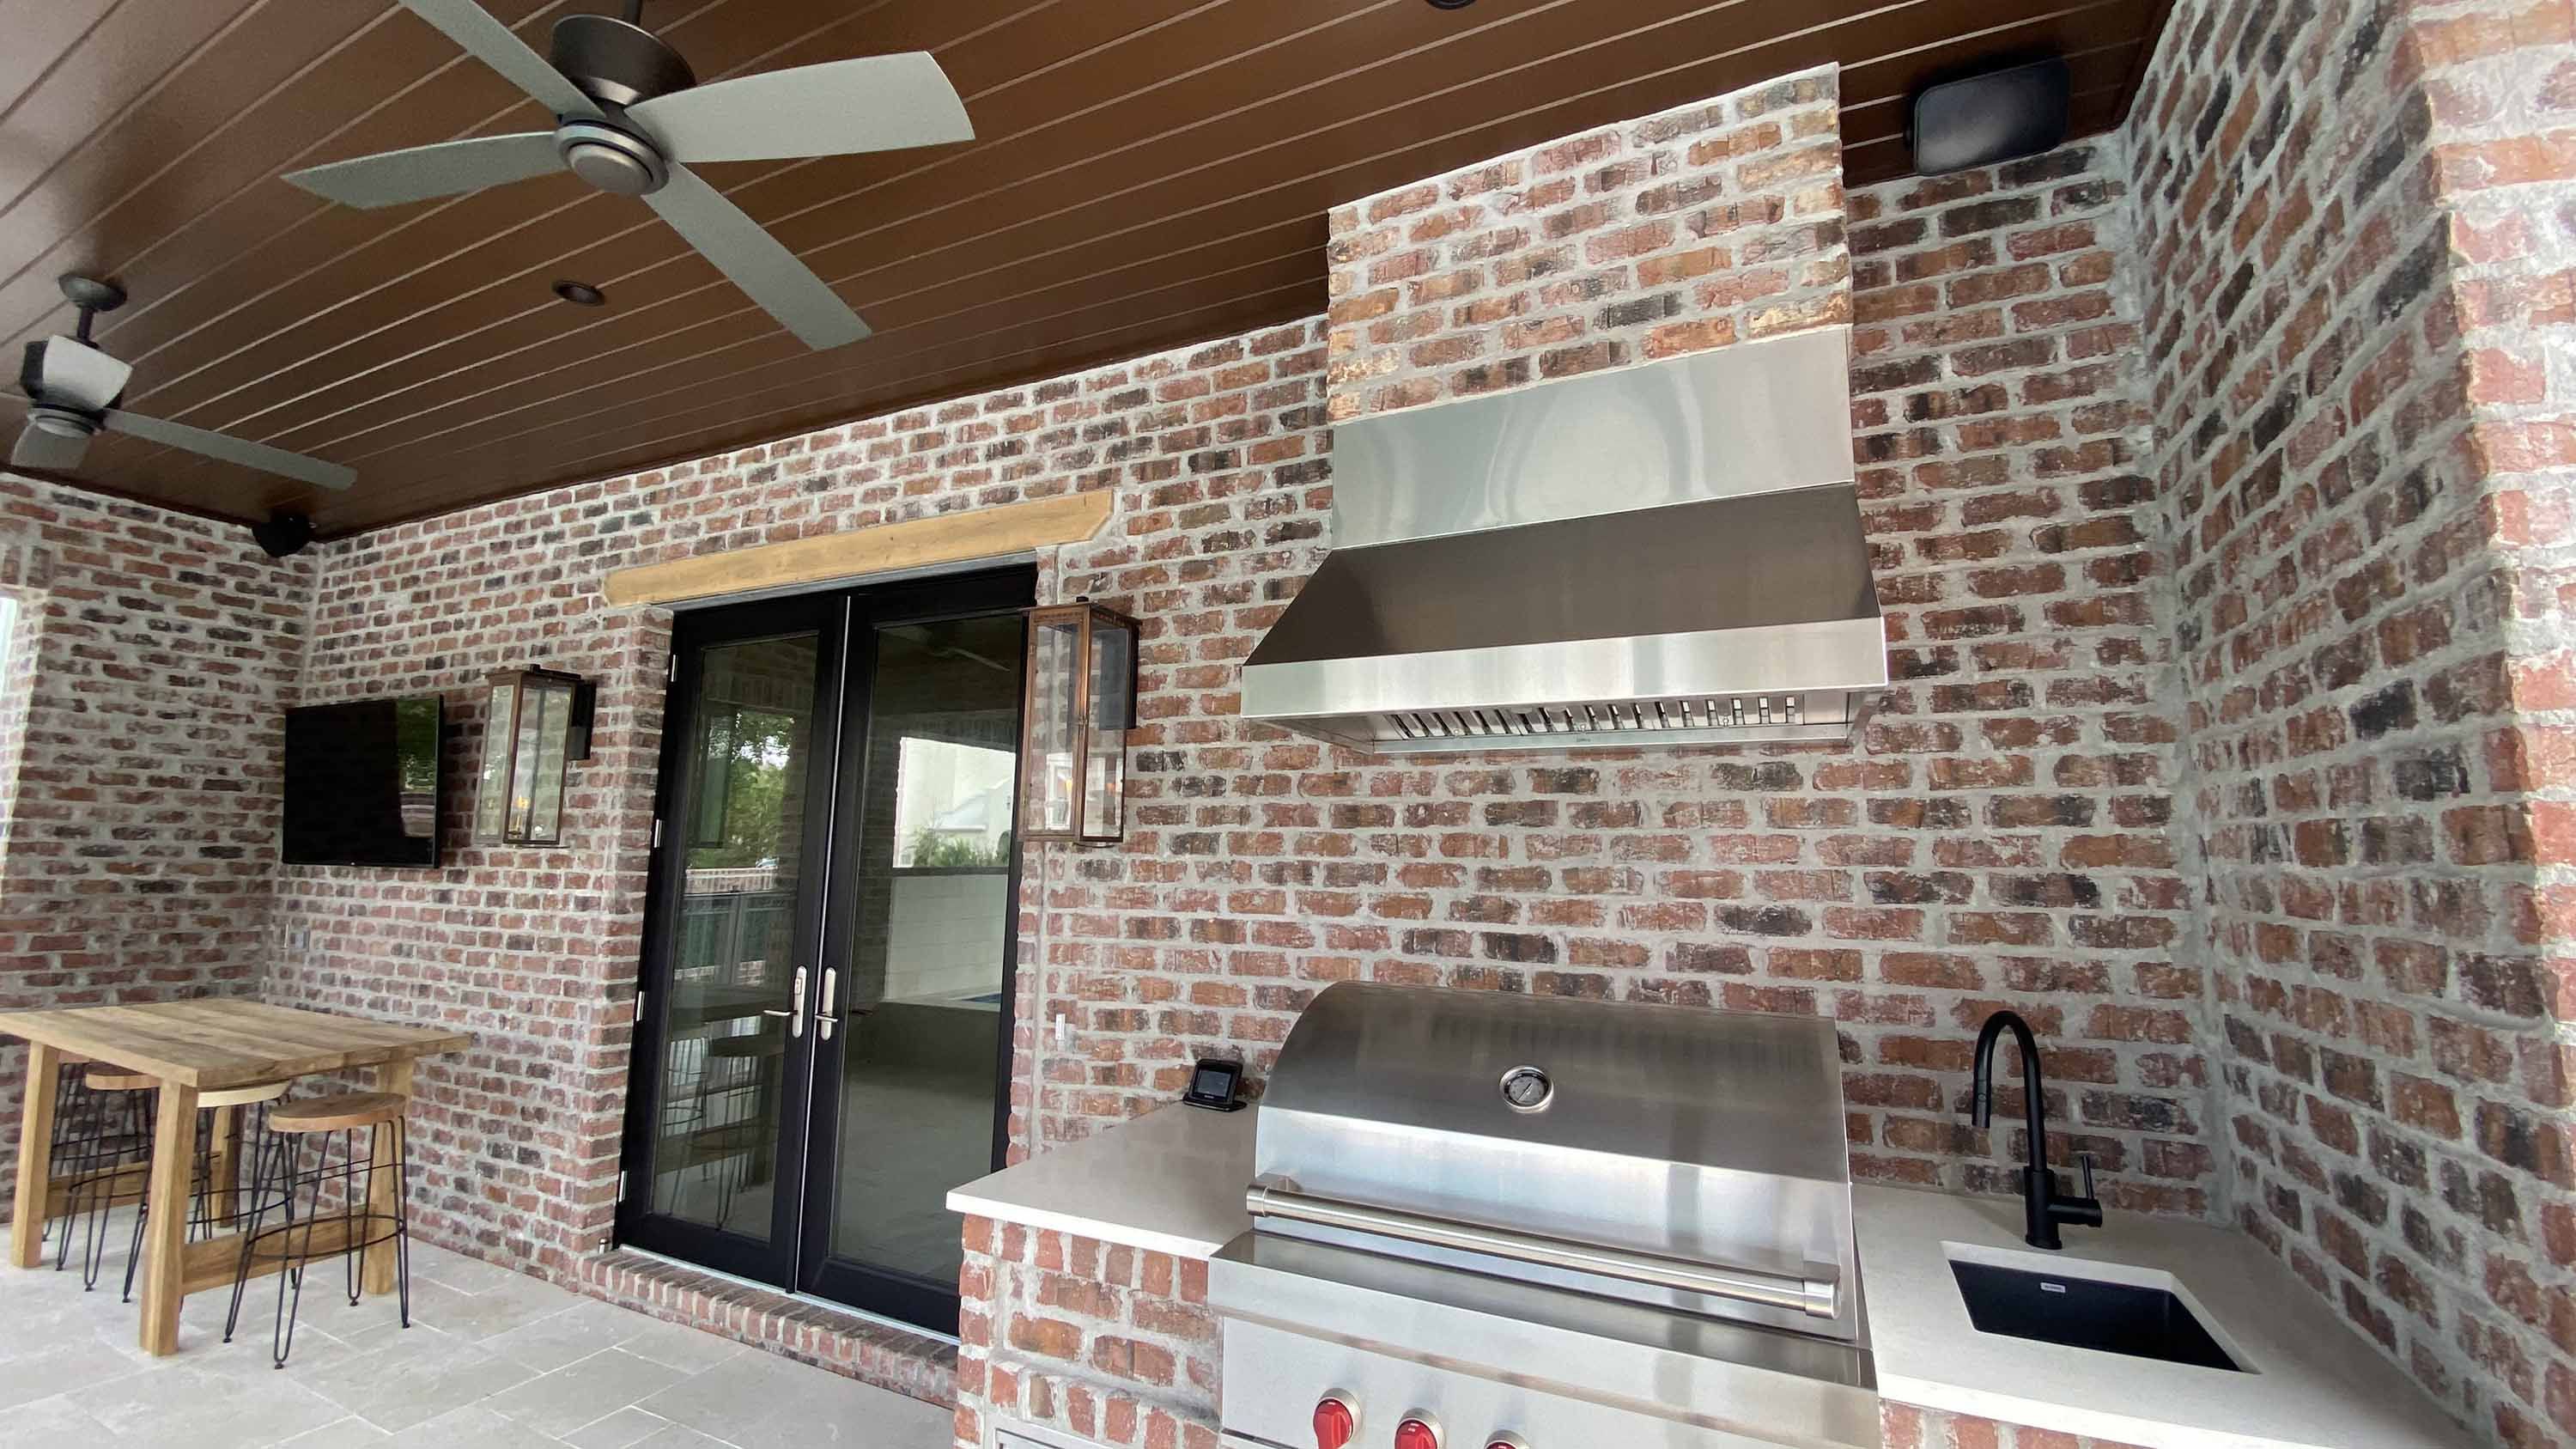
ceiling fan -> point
(73, 387)
(631, 118)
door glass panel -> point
(920, 994)
(732, 980)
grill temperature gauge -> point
(1527, 1089)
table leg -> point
(223, 1165)
(35, 1156)
(165, 1231)
(384, 1180)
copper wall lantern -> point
(1081, 703)
(536, 723)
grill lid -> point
(1686, 1158)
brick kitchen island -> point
(1087, 1314)
(1086, 1282)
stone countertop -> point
(2310, 1380)
(1173, 1181)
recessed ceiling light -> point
(1451, 4)
(581, 294)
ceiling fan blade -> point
(394, 177)
(51, 452)
(494, 44)
(232, 450)
(838, 108)
(756, 261)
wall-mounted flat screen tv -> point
(362, 783)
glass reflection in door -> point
(732, 982)
(921, 986)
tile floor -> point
(492, 1358)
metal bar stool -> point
(71, 1107)
(109, 1156)
(105, 1149)
(327, 1207)
(216, 1198)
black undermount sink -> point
(2087, 1313)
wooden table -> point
(192, 1047)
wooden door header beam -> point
(920, 543)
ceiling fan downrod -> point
(92, 296)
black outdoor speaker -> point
(284, 533)
(1988, 118)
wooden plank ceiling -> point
(1147, 173)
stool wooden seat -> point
(336, 1113)
(114, 1079)
(250, 1096)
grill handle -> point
(1813, 1296)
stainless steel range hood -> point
(1671, 553)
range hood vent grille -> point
(1679, 719)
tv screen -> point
(362, 783)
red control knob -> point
(1416, 1433)
(1335, 1422)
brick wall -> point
(1110, 1343)
(2342, 207)
(153, 658)
(1709, 224)
(1995, 837)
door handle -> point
(825, 1017)
(796, 1014)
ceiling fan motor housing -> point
(615, 63)
(618, 65)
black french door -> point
(822, 1038)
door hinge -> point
(671, 668)
(639, 1003)
(621, 1184)
(657, 833)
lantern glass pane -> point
(492, 795)
(553, 701)
(523, 762)
(1104, 790)
(1113, 675)
(1054, 651)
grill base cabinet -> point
(1547, 1223)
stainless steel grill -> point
(1482, 1219)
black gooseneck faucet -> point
(2042, 1208)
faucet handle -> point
(2083, 1212)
